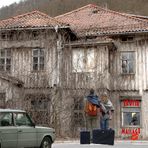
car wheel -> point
(46, 143)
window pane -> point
(35, 60)
(2, 61)
(131, 67)
(35, 52)
(22, 119)
(2, 68)
(6, 119)
(41, 60)
(127, 62)
(41, 66)
(8, 67)
(131, 118)
(8, 53)
(35, 67)
(3, 53)
(8, 61)
(41, 52)
(90, 65)
(78, 60)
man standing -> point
(106, 111)
(91, 104)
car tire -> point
(46, 143)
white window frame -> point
(5, 58)
(38, 57)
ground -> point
(118, 144)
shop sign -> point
(127, 131)
(131, 103)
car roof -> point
(11, 110)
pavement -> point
(116, 141)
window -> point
(38, 59)
(127, 38)
(6, 119)
(131, 113)
(5, 60)
(83, 60)
(22, 119)
(128, 62)
(78, 112)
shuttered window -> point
(128, 62)
(83, 60)
(38, 59)
(5, 60)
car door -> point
(8, 132)
(27, 136)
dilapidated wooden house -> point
(109, 54)
(50, 64)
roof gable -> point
(30, 20)
(92, 19)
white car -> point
(18, 131)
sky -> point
(7, 2)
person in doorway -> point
(106, 110)
(91, 105)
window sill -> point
(132, 126)
(128, 74)
(38, 71)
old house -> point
(109, 54)
(30, 47)
(49, 64)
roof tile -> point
(30, 20)
(92, 20)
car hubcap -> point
(46, 144)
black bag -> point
(103, 136)
(84, 137)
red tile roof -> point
(30, 20)
(94, 20)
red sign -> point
(134, 136)
(127, 131)
(131, 103)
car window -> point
(22, 119)
(6, 119)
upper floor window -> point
(5, 60)
(128, 62)
(38, 59)
(83, 60)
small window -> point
(78, 119)
(83, 60)
(5, 60)
(127, 62)
(38, 59)
(127, 38)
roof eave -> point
(33, 28)
(112, 34)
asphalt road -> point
(119, 144)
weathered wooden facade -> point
(56, 65)
(109, 55)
